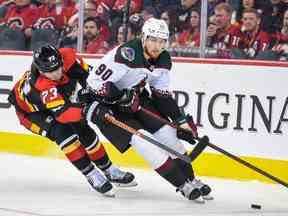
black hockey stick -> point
(131, 130)
(234, 157)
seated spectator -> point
(273, 15)
(93, 40)
(281, 40)
(219, 26)
(249, 39)
(119, 6)
(21, 16)
(211, 5)
(121, 35)
(247, 4)
(166, 16)
(191, 36)
(180, 18)
(53, 15)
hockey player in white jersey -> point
(120, 82)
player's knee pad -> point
(88, 137)
(167, 136)
(150, 152)
(62, 134)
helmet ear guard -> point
(47, 59)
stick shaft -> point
(234, 157)
(131, 130)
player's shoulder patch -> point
(128, 53)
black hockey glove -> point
(96, 112)
(187, 130)
(129, 102)
(85, 95)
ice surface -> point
(32, 186)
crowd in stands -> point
(243, 29)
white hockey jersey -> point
(126, 67)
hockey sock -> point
(98, 155)
(171, 173)
(77, 155)
(186, 168)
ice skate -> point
(204, 189)
(120, 178)
(191, 192)
(100, 183)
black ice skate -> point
(120, 178)
(191, 192)
(204, 189)
(100, 183)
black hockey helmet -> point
(47, 58)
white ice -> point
(32, 186)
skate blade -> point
(199, 200)
(208, 197)
(110, 193)
(123, 185)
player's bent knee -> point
(151, 153)
(167, 136)
(62, 134)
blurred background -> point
(226, 29)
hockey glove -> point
(96, 112)
(129, 102)
(187, 129)
(85, 95)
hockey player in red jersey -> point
(45, 103)
(120, 81)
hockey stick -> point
(234, 157)
(131, 130)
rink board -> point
(207, 164)
(241, 105)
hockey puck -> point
(255, 206)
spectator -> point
(281, 40)
(119, 6)
(273, 15)
(249, 39)
(94, 41)
(54, 15)
(21, 16)
(219, 26)
(181, 14)
(247, 4)
(191, 36)
(166, 16)
(121, 36)
(211, 5)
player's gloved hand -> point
(86, 95)
(187, 129)
(96, 112)
(129, 102)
